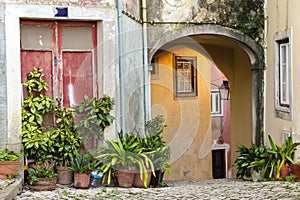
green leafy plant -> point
(68, 139)
(94, 116)
(279, 156)
(116, 156)
(37, 140)
(7, 155)
(253, 158)
(83, 162)
(40, 172)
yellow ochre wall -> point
(188, 120)
(188, 130)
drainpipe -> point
(146, 68)
(121, 68)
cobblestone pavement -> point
(204, 189)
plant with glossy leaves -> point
(253, 158)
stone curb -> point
(12, 190)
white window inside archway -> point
(216, 103)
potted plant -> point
(252, 162)
(67, 141)
(42, 177)
(82, 164)
(92, 117)
(280, 156)
(38, 136)
(9, 163)
(117, 157)
(161, 155)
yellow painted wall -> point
(282, 15)
(188, 121)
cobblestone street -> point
(204, 189)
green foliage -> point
(279, 156)
(83, 162)
(94, 116)
(37, 143)
(68, 140)
(116, 157)
(132, 151)
(7, 155)
(246, 16)
(40, 172)
(254, 157)
(269, 160)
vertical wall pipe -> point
(146, 68)
(121, 67)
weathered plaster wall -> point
(133, 75)
(245, 16)
(188, 131)
(3, 86)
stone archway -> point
(254, 51)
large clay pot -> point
(296, 170)
(65, 175)
(138, 182)
(285, 171)
(125, 178)
(82, 180)
(10, 167)
(44, 184)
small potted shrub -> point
(42, 177)
(252, 162)
(82, 164)
(66, 142)
(9, 163)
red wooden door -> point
(38, 59)
(77, 77)
(66, 53)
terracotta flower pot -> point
(138, 182)
(65, 175)
(296, 171)
(44, 184)
(285, 171)
(10, 167)
(125, 178)
(82, 180)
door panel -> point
(38, 59)
(77, 77)
(65, 51)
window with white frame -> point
(216, 103)
(284, 73)
(283, 94)
(185, 76)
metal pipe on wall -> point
(147, 103)
(121, 68)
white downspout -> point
(147, 103)
(121, 67)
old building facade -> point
(159, 57)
